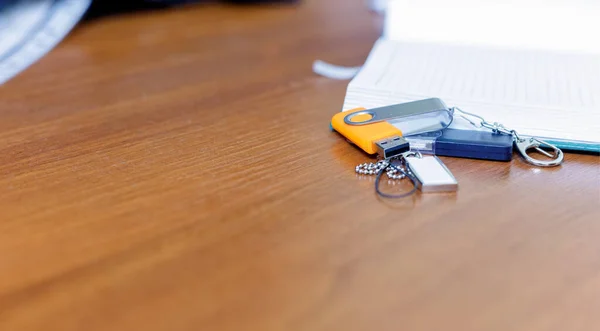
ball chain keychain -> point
(374, 168)
(393, 172)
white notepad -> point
(546, 86)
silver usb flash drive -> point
(431, 174)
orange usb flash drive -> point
(379, 137)
(371, 130)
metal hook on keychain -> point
(522, 144)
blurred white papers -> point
(559, 25)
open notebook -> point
(510, 63)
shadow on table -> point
(102, 8)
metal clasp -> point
(525, 144)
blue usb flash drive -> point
(464, 143)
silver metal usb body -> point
(431, 174)
(411, 118)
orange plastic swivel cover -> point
(363, 136)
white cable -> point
(334, 71)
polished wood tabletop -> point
(175, 170)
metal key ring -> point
(525, 144)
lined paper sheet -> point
(548, 94)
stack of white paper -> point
(513, 63)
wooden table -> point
(175, 171)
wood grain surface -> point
(175, 171)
